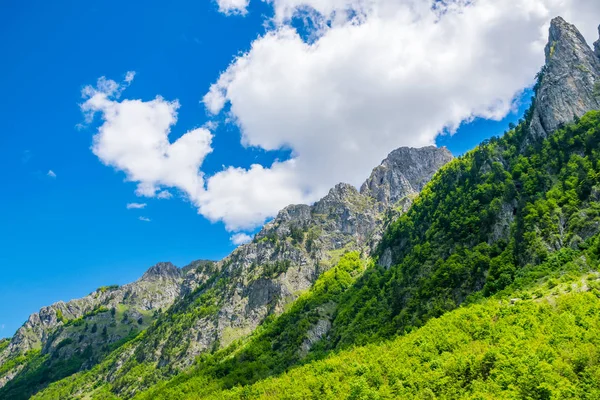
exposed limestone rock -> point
(405, 171)
(569, 85)
(314, 334)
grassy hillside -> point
(547, 347)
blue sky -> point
(65, 235)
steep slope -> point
(491, 223)
(484, 218)
(62, 338)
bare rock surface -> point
(569, 85)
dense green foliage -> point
(536, 349)
(277, 344)
(270, 350)
(39, 370)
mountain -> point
(217, 303)
(471, 277)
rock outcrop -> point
(405, 171)
(569, 85)
(285, 258)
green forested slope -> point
(547, 348)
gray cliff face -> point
(405, 171)
(569, 85)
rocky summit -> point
(569, 84)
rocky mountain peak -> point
(405, 171)
(340, 193)
(162, 270)
(569, 80)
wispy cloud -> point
(136, 206)
(51, 174)
(145, 219)
(165, 194)
(240, 238)
(129, 76)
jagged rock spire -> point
(568, 87)
(162, 270)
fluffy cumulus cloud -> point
(361, 78)
(134, 138)
(233, 6)
(240, 238)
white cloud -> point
(136, 205)
(145, 219)
(129, 76)
(230, 7)
(51, 174)
(240, 238)
(164, 194)
(243, 199)
(374, 75)
(134, 138)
